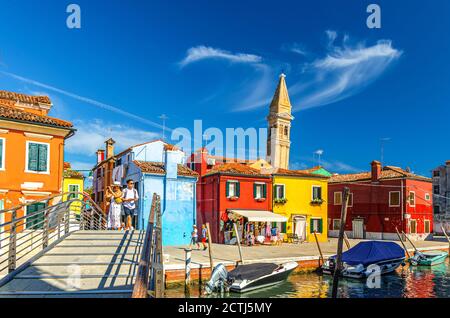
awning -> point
(260, 216)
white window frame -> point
(410, 226)
(338, 220)
(284, 190)
(334, 197)
(3, 162)
(353, 197)
(318, 219)
(429, 226)
(235, 182)
(409, 199)
(427, 197)
(28, 142)
(73, 185)
(312, 191)
(399, 199)
(261, 186)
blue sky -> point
(219, 61)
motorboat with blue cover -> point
(366, 258)
(248, 277)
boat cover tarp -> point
(252, 271)
(370, 252)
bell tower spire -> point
(279, 124)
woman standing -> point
(114, 194)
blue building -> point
(157, 167)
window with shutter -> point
(37, 157)
(35, 220)
(73, 188)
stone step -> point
(84, 259)
(90, 250)
(65, 270)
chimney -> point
(100, 155)
(109, 148)
(171, 160)
(376, 170)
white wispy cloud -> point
(87, 100)
(334, 166)
(295, 48)
(91, 136)
(343, 71)
(201, 52)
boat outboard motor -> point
(218, 279)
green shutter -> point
(282, 192)
(238, 189)
(283, 227)
(227, 189)
(264, 191)
(42, 158)
(320, 225)
(33, 154)
(254, 190)
(311, 226)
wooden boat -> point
(364, 258)
(428, 258)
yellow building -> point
(73, 182)
(300, 196)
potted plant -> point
(260, 199)
(233, 198)
(280, 201)
(317, 201)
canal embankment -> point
(305, 254)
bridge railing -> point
(150, 276)
(30, 228)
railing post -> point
(67, 222)
(45, 230)
(12, 243)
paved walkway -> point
(229, 254)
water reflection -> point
(407, 282)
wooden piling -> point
(238, 239)
(321, 260)
(338, 265)
(187, 268)
(211, 263)
(347, 242)
(401, 241)
(446, 236)
(410, 242)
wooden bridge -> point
(69, 252)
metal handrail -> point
(141, 285)
(57, 219)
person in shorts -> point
(130, 197)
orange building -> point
(31, 151)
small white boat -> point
(249, 277)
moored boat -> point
(249, 277)
(366, 258)
(429, 258)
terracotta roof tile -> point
(8, 112)
(236, 169)
(297, 173)
(24, 98)
(159, 168)
(388, 172)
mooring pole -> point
(338, 265)
(401, 241)
(187, 268)
(410, 242)
(321, 260)
(211, 263)
(238, 239)
(347, 242)
(446, 236)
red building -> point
(223, 187)
(381, 201)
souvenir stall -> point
(253, 227)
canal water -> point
(409, 282)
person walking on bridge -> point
(114, 194)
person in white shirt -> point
(130, 196)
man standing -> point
(130, 196)
(194, 237)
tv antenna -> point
(163, 117)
